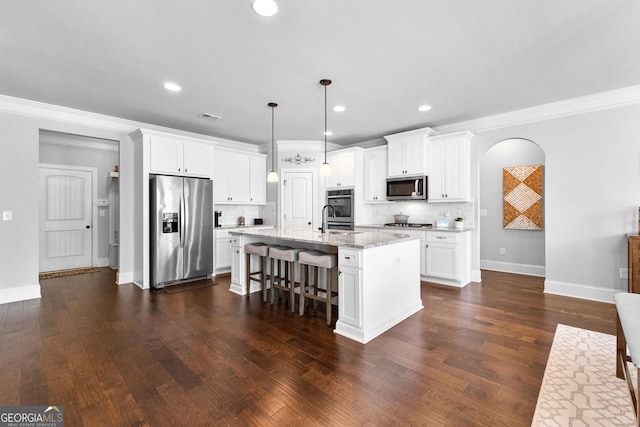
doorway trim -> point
(94, 211)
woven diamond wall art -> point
(522, 197)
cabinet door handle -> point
(178, 169)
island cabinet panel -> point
(178, 157)
(350, 287)
(450, 167)
(379, 275)
(375, 173)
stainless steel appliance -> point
(407, 188)
(342, 203)
(181, 229)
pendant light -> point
(325, 169)
(273, 175)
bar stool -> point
(315, 260)
(261, 250)
(289, 256)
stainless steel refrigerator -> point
(181, 229)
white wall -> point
(19, 193)
(524, 249)
(592, 194)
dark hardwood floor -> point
(121, 356)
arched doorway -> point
(512, 250)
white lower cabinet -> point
(222, 251)
(447, 257)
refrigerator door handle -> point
(182, 216)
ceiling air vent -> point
(209, 116)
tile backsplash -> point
(421, 212)
(230, 213)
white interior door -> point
(65, 219)
(297, 189)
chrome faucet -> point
(325, 215)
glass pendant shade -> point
(273, 176)
(325, 169)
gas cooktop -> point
(409, 225)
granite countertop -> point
(350, 239)
(401, 229)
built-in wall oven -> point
(342, 203)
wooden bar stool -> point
(317, 260)
(261, 250)
(286, 281)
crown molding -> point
(41, 110)
(78, 141)
(581, 105)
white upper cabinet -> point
(343, 164)
(257, 178)
(450, 167)
(239, 178)
(407, 152)
(179, 157)
(375, 174)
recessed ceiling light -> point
(328, 133)
(265, 7)
(424, 108)
(339, 108)
(172, 87)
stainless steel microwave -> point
(407, 188)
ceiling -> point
(465, 58)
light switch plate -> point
(7, 215)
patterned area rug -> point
(61, 273)
(580, 387)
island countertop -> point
(339, 238)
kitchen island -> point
(378, 280)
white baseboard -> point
(124, 277)
(102, 262)
(476, 276)
(511, 267)
(577, 290)
(20, 293)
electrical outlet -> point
(483, 212)
(7, 215)
(624, 273)
(503, 251)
